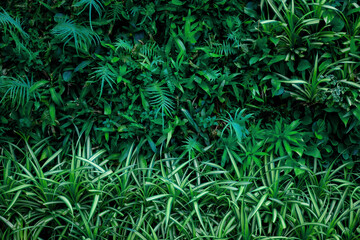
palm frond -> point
(15, 90)
(117, 10)
(67, 30)
(7, 21)
(106, 74)
(191, 144)
(96, 4)
(161, 99)
(123, 44)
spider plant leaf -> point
(7, 222)
(258, 206)
(155, 197)
(67, 203)
(168, 211)
(197, 210)
(94, 205)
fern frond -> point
(161, 99)
(126, 45)
(106, 74)
(191, 144)
(15, 90)
(170, 79)
(117, 10)
(225, 48)
(210, 74)
(7, 21)
(150, 50)
(68, 30)
(136, 9)
(96, 4)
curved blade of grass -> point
(67, 203)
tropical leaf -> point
(15, 90)
(105, 74)
(91, 4)
(161, 99)
(7, 21)
(67, 30)
(237, 124)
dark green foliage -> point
(229, 85)
(129, 68)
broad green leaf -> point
(37, 85)
(304, 65)
(55, 97)
(177, 2)
(313, 152)
(253, 60)
(67, 75)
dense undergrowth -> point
(179, 119)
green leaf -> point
(55, 97)
(115, 59)
(13, 201)
(67, 203)
(52, 112)
(94, 205)
(353, 47)
(180, 45)
(253, 60)
(205, 87)
(313, 152)
(298, 171)
(107, 108)
(303, 65)
(67, 76)
(258, 206)
(20, 187)
(37, 85)
(3, 120)
(177, 2)
(151, 143)
(67, 30)
(168, 211)
(356, 112)
(82, 65)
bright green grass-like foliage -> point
(79, 194)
